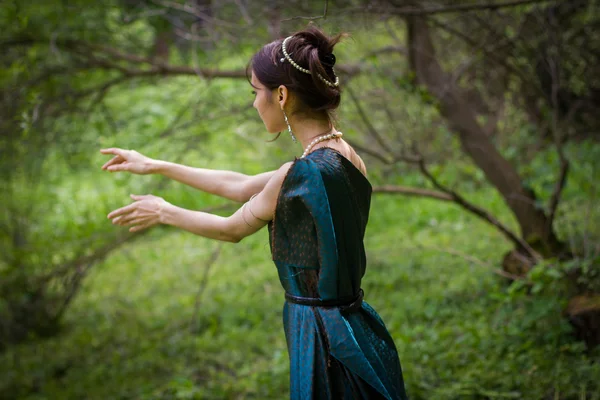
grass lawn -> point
(159, 320)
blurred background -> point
(478, 123)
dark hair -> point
(311, 49)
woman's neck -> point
(307, 130)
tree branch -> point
(386, 50)
(110, 56)
(445, 193)
(373, 153)
(413, 192)
(480, 212)
(194, 10)
(324, 16)
(410, 10)
(370, 128)
(477, 261)
(553, 62)
(213, 258)
(490, 53)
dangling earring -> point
(289, 127)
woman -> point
(316, 208)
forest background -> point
(478, 123)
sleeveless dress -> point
(316, 240)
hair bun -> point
(308, 72)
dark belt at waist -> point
(349, 303)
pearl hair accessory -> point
(332, 135)
(287, 56)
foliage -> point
(459, 332)
(140, 328)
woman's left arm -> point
(149, 210)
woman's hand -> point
(144, 212)
(128, 160)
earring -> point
(289, 127)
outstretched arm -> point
(228, 184)
(252, 216)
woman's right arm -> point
(228, 184)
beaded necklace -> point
(321, 139)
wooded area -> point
(478, 123)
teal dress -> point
(339, 347)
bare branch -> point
(560, 184)
(445, 193)
(553, 61)
(244, 12)
(481, 213)
(103, 57)
(489, 52)
(110, 51)
(194, 10)
(203, 283)
(373, 153)
(370, 128)
(411, 10)
(324, 16)
(477, 261)
(386, 50)
(412, 191)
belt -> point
(345, 304)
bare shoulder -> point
(280, 174)
(360, 164)
(355, 159)
(283, 170)
(265, 202)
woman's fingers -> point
(115, 151)
(114, 160)
(140, 227)
(133, 218)
(127, 209)
(119, 158)
(141, 213)
(118, 167)
(140, 196)
(128, 219)
(122, 211)
(127, 160)
(139, 222)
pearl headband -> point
(287, 56)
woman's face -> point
(269, 109)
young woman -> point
(316, 208)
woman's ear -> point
(282, 95)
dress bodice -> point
(317, 233)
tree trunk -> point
(274, 16)
(583, 311)
(475, 142)
(162, 43)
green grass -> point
(133, 332)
